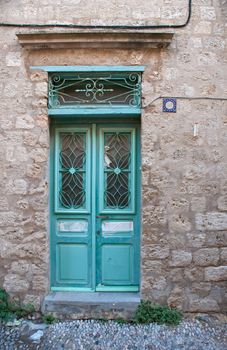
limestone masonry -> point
(184, 176)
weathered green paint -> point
(118, 254)
(117, 288)
(70, 69)
(94, 113)
(92, 261)
(93, 217)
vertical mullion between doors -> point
(93, 203)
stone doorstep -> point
(90, 305)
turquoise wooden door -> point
(95, 226)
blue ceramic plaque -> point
(169, 105)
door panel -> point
(116, 257)
(96, 221)
(117, 264)
(70, 256)
(71, 226)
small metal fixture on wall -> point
(169, 105)
(195, 130)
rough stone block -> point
(7, 218)
(203, 27)
(4, 204)
(30, 138)
(179, 204)
(214, 43)
(18, 186)
(176, 275)
(201, 288)
(207, 58)
(171, 12)
(216, 274)
(40, 103)
(196, 43)
(177, 298)
(158, 252)
(216, 239)
(20, 267)
(35, 300)
(42, 121)
(13, 59)
(34, 170)
(39, 154)
(6, 247)
(181, 258)
(196, 240)
(198, 204)
(208, 13)
(194, 274)
(176, 241)
(206, 257)
(23, 204)
(14, 284)
(179, 223)
(31, 250)
(40, 219)
(41, 89)
(223, 256)
(211, 221)
(202, 305)
(7, 124)
(39, 76)
(24, 122)
(154, 215)
(40, 283)
(222, 203)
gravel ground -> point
(206, 334)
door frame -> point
(66, 123)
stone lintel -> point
(95, 39)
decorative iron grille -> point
(72, 160)
(117, 169)
(106, 89)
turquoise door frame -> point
(95, 245)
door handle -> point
(102, 217)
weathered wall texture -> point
(184, 251)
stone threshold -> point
(86, 305)
(95, 39)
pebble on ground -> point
(203, 334)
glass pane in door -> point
(117, 169)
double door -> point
(95, 207)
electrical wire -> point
(78, 26)
(198, 98)
(188, 98)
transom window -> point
(103, 89)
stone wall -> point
(184, 191)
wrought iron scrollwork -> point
(72, 160)
(117, 168)
(105, 90)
